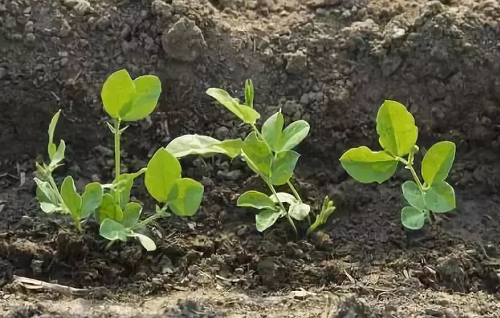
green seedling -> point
(398, 136)
(268, 152)
(125, 100)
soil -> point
(331, 62)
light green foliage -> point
(398, 136)
(267, 152)
(125, 99)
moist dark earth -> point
(330, 62)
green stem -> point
(150, 219)
(294, 191)
(283, 208)
(117, 148)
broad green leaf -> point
(249, 93)
(293, 135)
(51, 148)
(112, 230)
(266, 218)
(109, 209)
(283, 197)
(59, 154)
(71, 198)
(440, 198)
(282, 166)
(185, 197)
(131, 214)
(412, 218)
(162, 172)
(368, 166)
(48, 207)
(147, 92)
(122, 187)
(396, 128)
(413, 195)
(272, 130)
(45, 193)
(437, 162)
(146, 242)
(243, 112)
(257, 200)
(203, 146)
(118, 91)
(91, 199)
(257, 155)
(299, 211)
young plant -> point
(398, 136)
(125, 100)
(268, 152)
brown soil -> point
(331, 62)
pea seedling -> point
(398, 136)
(125, 100)
(268, 152)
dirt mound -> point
(331, 62)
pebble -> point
(184, 41)
(3, 72)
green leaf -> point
(257, 155)
(249, 93)
(71, 198)
(91, 199)
(147, 93)
(131, 214)
(204, 146)
(299, 211)
(438, 161)
(122, 187)
(440, 198)
(243, 112)
(118, 91)
(293, 135)
(368, 166)
(48, 207)
(256, 200)
(396, 128)
(146, 242)
(282, 167)
(58, 156)
(162, 172)
(112, 230)
(266, 218)
(45, 193)
(412, 218)
(185, 197)
(51, 147)
(413, 195)
(283, 197)
(109, 209)
(272, 130)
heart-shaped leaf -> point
(413, 195)
(109, 209)
(246, 113)
(440, 198)
(71, 198)
(412, 218)
(266, 218)
(91, 199)
(146, 242)
(396, 128)
(257, 155)
(293, 135)
(203, 146)
(256, 200)
(299, 211)
(282, 166)
(162, 172)
(118, 91)
(283, 197)
(368, 166)
(131, 214)
(437, 162)
(185, 197)
(112, 230)
(272, 130)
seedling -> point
(268, 152)
(125, 100)
(398, 136)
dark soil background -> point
(331, 62)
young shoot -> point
(398, 136)
(125, 100)
(268, 152)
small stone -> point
(184, 41)
(3, 72)
(296, 63)
(232, 175)
(64, 61)
(221, 133)
(29, 38)
(104, 151)
(28, 27)
(159, 7)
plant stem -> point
(117, 148)
(283, 208)
(294, 191)
(150, 219)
